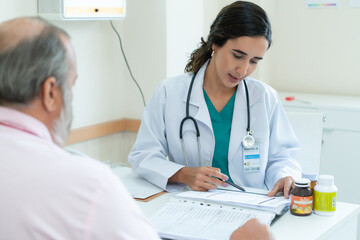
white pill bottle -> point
(325, 196)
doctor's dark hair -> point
(235, 20)
(25, 66)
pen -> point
(232, 184)
(267, 200)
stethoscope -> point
(248, 141)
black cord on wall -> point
(127, 64)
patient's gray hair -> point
(28, 59)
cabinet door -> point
(340, 158)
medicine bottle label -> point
(301, 205)
(325, 202)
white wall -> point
(145, 47)
(184, 25)
(99, 88)
(314, 50)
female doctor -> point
(215, 123)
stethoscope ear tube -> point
(189, 94)
(187, 111)
(187, 117)
(248, 107)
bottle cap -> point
(311, 177)
(302, 182)
(326, 180)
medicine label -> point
(301, 205)
(324, 201)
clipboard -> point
(151, 197)
(139, 188)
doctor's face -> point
(238, 58)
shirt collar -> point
(23, 122)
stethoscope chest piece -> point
(248, 141)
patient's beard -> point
(62, 125)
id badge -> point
(251, 158)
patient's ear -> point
(51, 95)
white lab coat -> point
(157, 153)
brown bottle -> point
(301, 198)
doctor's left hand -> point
(200, 178)
(284, 185)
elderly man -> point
(47, 193)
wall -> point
(314, 50)
(145, 47)
(100, 73)
(113, 148)
(184, 24)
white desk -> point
(343, 225)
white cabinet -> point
(340, 153)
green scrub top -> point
(221, 124)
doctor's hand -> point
(253, 230)
(199, 178)
(284, 185)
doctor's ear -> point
(213, 48)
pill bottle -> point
(313, 181)
(301, 198)
(325, 196)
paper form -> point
(274, 204)
(235, 197)
(182, 219)
(248, 190)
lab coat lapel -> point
(239, 121)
